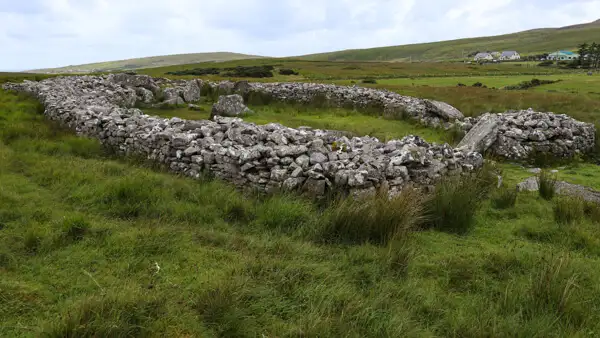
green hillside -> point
(532, 41)
(148, 62)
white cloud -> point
(50, 33)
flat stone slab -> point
(482, 135)
(564, 188)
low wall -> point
(267, 158)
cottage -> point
(484, 56)
(563, 55)
(510, 55)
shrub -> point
(592, 211)
(369, 81)
(547, 185)
(504, 198)
(376, 219)
(196, 71)
(250, 71)
(568, 210)
(453, 205)
(461, 85)
(478, 84)
(287, 71)
(530, 84)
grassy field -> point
(354, 122)
(325, 71)
(536, 41)
(95, 246)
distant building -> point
(483, 56)
(510, 55)
(563, 55)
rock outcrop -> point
(266, 158)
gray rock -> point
(229, 106)
(446, 111)
(482, 136)
(191, 91)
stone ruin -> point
(518, 135)
(273, 157)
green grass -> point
(94, 246)
(357, 123)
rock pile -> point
(266, 158)
(518, 135)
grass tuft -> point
(568, 209)
(504, 198)
(453, 205)
(547, 185)
(377, 219)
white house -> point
(510, 55)
(484, 56)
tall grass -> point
(569, 209)
(455, 201)
(504, 198)
(377, 219)
(547, 185)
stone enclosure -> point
(273, 157)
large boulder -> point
(130, 80)
(144, 95)
(229, 106)
(172, 96)
(482, 135)
(191, 91)
(446, 111)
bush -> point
(530, 84)
(251, 71)
(369, 81)
(377, 219)
(547, 185)
(287, 71)
(453, 205)
(478, 84)
(504, 198)
(568, 210)
(196, 71)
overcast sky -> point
(52, 33)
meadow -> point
(95, 245)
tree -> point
(584, 50)
(594, 55)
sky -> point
(53, 33)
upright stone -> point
(482, 135)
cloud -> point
(51, 33)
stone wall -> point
(267, 158)
(520, 134)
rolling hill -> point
(527, 42)
(148, 62)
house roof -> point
(564, 52)
(509, 53)
(483, 54)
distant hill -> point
(148, 62)
(544, 40)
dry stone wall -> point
(521, 134)
(267, 158)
